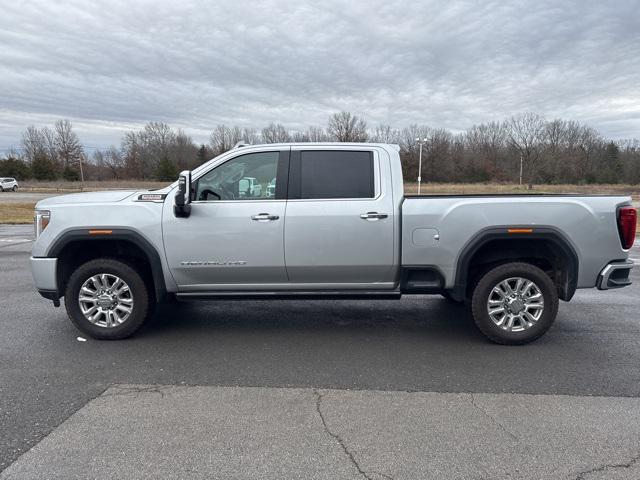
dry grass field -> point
(23, 212)
(16, 213)
(68, 187)
(479, 188)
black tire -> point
(139, 293)
(14, 188)
(493, 277)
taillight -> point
(627, 217)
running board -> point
(301, 295)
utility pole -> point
(81, 173)
(520, 168)
(421, 143)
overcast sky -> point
(113, 66)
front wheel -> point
(15, 188)
(107, 299)
(514, 303)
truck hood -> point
(87, 197)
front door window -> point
(247, 177)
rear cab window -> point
(332, 174)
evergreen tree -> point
(612, 170)
(16, 168)
(43, 168)
(70, 174)
(167, 171)
(202, 154)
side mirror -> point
(182, 207)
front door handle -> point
(264, 217)
(373, 216)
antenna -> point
(241, 144)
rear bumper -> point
(615, 275)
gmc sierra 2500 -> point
(324, 221)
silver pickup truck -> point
(324, 221)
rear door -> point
(339, 224)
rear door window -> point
(336, 174)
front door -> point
(233, 238)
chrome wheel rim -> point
(515, 304)
(105, 300)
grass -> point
(68, 187)
(16, 213)
(477, 188)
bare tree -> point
(250, 135)
(50, 142)
(554, 151)
(385, 134)
(299, 137)
(589, 142)
(483, 145)
(409, 149)
(131, 149)
(183, 152)
(110, 163)
(275, 133)
(316, 134)
(33, 143)
(223, 138)
(526, 134)
(69, 151)
(346, 127)
(156, 139)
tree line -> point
(543, 151)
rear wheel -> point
(15, 187)
(107, 299)
(514, 303)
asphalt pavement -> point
(310, 389)
(25, 197)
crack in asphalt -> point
(490, 417)
(607, 466)
(119, 390)
(341, 442)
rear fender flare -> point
(548, 233)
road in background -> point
(380, 348)
(24, 197)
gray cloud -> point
(112, 66)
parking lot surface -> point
(307, 389)
(24, 197)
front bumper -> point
(615, 275)
(44, 271)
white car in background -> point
(8, 184)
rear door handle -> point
(264, 217)
(373, 216)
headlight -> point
(41, 220)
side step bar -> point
(292, 295)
